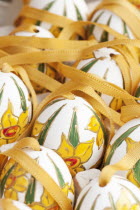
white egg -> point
(24, 187)
(104, 66)
(15, 107)
(74, 130)
(119, 193)
(15, 205)
(124, 140)
(109, 18)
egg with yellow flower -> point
(15, 107)
(20, 185)
(105, 66)
(12, 205)
(118, 194)
(74, 130)
(124, 140)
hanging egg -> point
(104, 66)
(118, 194)
(36, 31)
(18, 184)
(74, 130)
(123, 141)
(12, 205)
(15, 107)
(110, 19)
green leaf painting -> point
(118, 142)
(22, 96)
(73, 131)
(79, 16)
(136, 171)
(88, 66)
(47, 125)
(105, 34)
(82, 199)
(3, 181)
(59, 174)
(30, 194)
(41, 67)
(91, 28)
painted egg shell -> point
(113, 21)
(124, 139)
(118, 194)
(6, 30)
(74, 130)
(74, 9)
(104, 66)
(12, 205)
(15, 107)
(21, 186)
(9, 11)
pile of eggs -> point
(71, 134)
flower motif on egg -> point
(19, 185)
(73, 152)
(11, 125)
(13, 176)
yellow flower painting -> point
(75, 157)
(16, 181)
(12, 126)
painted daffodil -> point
(16, 180)
(12, 126)
(75, 157)
(95, 126)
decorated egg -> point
(12, 205)
(74, 10)
(15, 107)
(109, 18)
(74, 130)
(104, 66)
(36, 31)
(18, 184)
(118, 194)
(123, 141)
